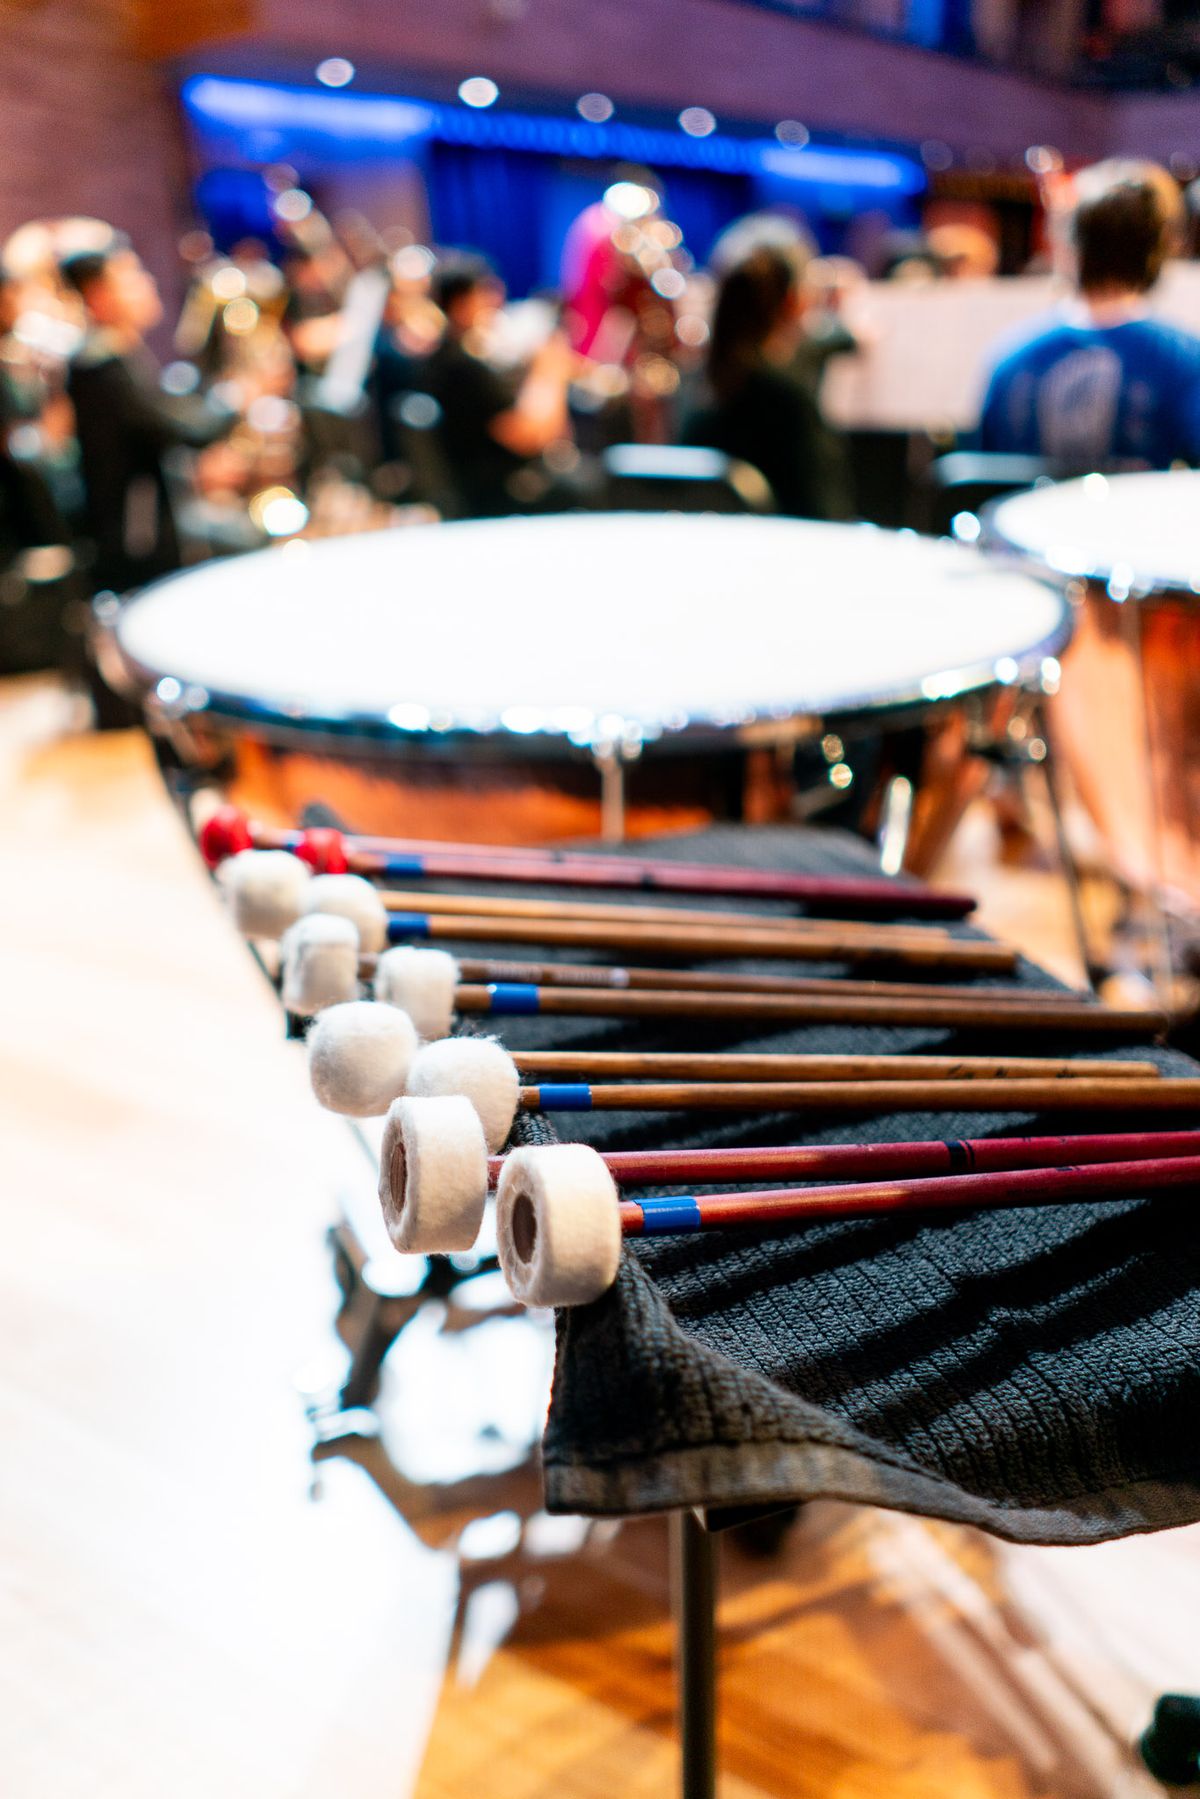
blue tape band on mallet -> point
(513, 999)
(678, 1213)
(403, 925)
(565, 1096)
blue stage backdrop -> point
(510, 184)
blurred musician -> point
(762, 410)
(410, 329)
(125, 423)
(495, 427)
(1102, 382)
(233, 307)
(623, 276)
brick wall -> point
(1157, 124)
(738, 60)
(87, 127)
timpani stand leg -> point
(1066, 856)
(610, 765)
(1162, 973)
(694, 1590)
(895, 824)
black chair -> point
(965, 480)
(675, 478)
(39, 575)
(416, 420)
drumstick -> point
(806, 945)
(321, 966)
(884, 1161)
(867, 1199)
(559, 1219)
(506, 1000)
(362, 1057)
(595, 912)
(490, 972)
(229, 831)
(871, 1095)
(270, 890)
(744, 1065)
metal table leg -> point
(693, 1568)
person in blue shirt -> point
(1102, 383)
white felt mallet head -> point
(480, 1070)
(266, 890)
(359, 1057)
(421, 982)
(433, 1175)
(320, 963)
(558, 1227)
(352, 897)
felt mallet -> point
(435, 1171)
(266, 900)
(560, 1220)
(345, 1058)
(228, 832)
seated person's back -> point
(1102, 383)
(494, 428)
(471, 396)
(773, 423)
(761, 410)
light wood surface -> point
(179, 1619)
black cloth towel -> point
(1034, 1371)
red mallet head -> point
(225, 834)
(324, 850)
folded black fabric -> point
(1035, 1372)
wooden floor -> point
(190, 1610)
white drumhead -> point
(590, 625)
(1140, 531)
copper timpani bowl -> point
(1126, 550)
(527, 679)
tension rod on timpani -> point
(229, 831)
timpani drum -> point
(1126, 549)
(531, 678)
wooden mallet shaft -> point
(932, 1012)
(806, 945)
(780, 1207)
(884, 1161)
(490, 971)
(1016, 1095)
(742, 1066)
(598, 912)
(229, 831)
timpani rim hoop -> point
(719, 570)
(1098, 534)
